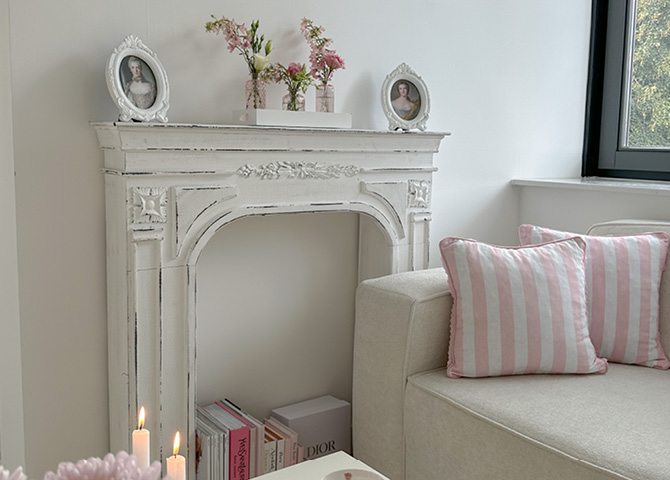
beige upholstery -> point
(412, 422)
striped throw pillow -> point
(518, 310)
(623, 278)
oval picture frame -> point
(405, 99)
(146, 99)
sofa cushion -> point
(518, 310)
(623, 277)
(612, 423)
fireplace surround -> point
(170, 187)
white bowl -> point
(356, 474)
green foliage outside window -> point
(650, 89)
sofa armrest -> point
(402, 327)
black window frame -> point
(602, 156)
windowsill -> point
(599, 184)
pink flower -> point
(333, 60)
(244, 40)
(121, 466)
(293, 69)
(323, 61)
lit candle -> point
(176, 464)
(141, 443)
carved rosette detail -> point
(300, 170)
(149, 205)
(419, 193)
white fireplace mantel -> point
(170, 188)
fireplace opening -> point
(275, 310)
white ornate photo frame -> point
(132, 50)
(414, 113)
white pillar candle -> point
(176, 464)
(141, 443)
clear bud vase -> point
(254, 93)
(325, 98)
(293, 102)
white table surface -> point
(318, 468)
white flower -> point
(260, 61)
(15, 475)
(120, 467)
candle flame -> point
(140, 422)
(175, 449)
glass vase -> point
(325, 98)
(293, 102)
(254, 93)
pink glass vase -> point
(293, 101)
(254, 93)
(325, 98)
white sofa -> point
(410, 421)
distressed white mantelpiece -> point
(170, 188)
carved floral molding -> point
(419, 193)
(300, 170)
(149, 205)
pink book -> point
(238, 441)
(256, 439)
(290, 441)
(245, 447)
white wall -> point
(576, 211)
(276, 310)
(11, 392)
(507, 78)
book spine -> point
(270, 454)
(291, 437)
(202, 446)
(258, 430)
(239, 448)
(250, 458)
(280, 445)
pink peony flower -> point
(333, 60)
(293, 69)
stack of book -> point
(233, 445)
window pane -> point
(648, 106)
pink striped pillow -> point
(623, 277)
(518, 310)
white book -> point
(270, 457)
(222, 444)
(204, 440)
(280, 445)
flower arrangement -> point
(324, 61)
(121, 466)
(250, 46)
(15, 475)
(296, 77)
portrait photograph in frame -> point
(405, 99)
(137, 82)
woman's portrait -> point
(405, 99)
(138, 82)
